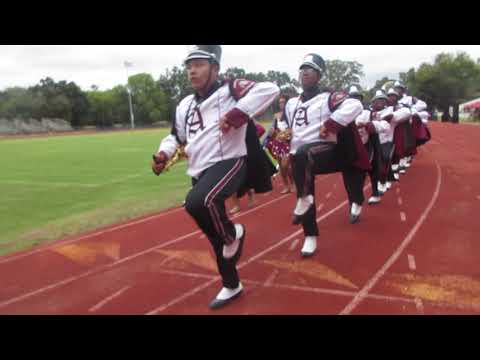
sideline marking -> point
(408, 239)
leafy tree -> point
(175, 86)
(60, 100)
(341, 74)
(149, 98)
(448, 82)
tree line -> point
(154, 100)
(452, 79)
(449, 81)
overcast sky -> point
(102, 65)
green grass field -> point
(58, 186)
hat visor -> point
(197, 56)
(312, 65)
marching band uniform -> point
(400, 118)
(419, 127)
(217, 161)
(340, 149)
(373, 126)
(415, 105)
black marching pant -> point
(321, 158)
(206, 205)
(386, 174)
(372, 173)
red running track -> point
(415, 253)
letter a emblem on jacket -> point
(195, 122)
(300, 117)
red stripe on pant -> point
(209, 202)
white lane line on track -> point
(101, 232)
(108, 299)
(417, 301)
(107, 266)
(47, 183)
(294, 244)
(320, 207)
(419, 306)
(396, 254)
(271, 278)
(118, 227)
(400, 201)
(403, 216)
(320, 290)
(240, 266)
(411, 263)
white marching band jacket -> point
(306, 118)
(197, 125)
(413, 103)
(416, 106)
(400, 114)
(380, 125)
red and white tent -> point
(471, 105)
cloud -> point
(102, 65)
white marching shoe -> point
(309, 246)
(226, 296)
(382, 188)
(229, 251)
(303, 205)
(355, 212)
(374, 200)
(388, 185)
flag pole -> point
(132, 117)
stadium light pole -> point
(132, 117)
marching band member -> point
(323, 141)
(354, 93)
(373, 125)
(416, 106)
(401, 115)
(212, 124)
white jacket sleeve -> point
(170, 143)
(363, 118)
(348, 111)
(386, 113)
(258, 99)
(419, 106)
(401, 115)
(424, 115)
(381, 126)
